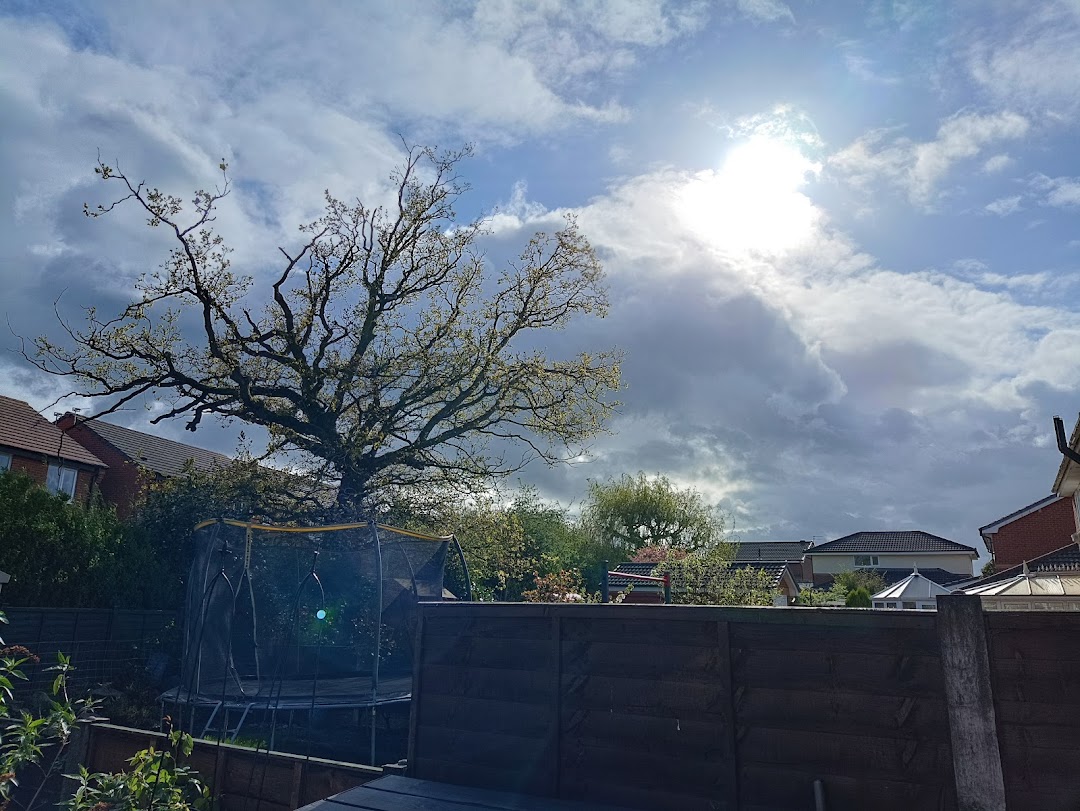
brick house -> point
(49, 455)
(134, 456)
(1030, 532)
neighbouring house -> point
(48, 454)
(1067, 481)
(790, 553)
(1031, 531)
(1065, 559)
(893, 555)
(643, 592)
(916, 591)
(132, 456)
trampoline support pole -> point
(378, 632)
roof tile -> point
(22, 428)
(901, 542)
(156, 453)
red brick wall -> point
(121, 483)
(1034, 534)
(38, 470)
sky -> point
(840, 238)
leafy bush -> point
(156, 781)
(32, 745)
(858, 598)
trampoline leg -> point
(372, 761)
(273, 728)
(240, 723)
(209, 720)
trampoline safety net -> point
(297, 618)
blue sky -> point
(840, 237)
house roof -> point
(907, 542)
(1065, 559)
(916, 586)
(155, 453)
(641, 569)
(787, 551)
(774, 568)
(1005, 520)
(939, 576)
(24, 429)
(1027, 583)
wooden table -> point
(396, 793)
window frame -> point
(872, 561)
(56, 485)
(6, 460)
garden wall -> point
(241, 779)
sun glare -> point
(754, 201)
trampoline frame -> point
(191, 699)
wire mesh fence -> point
(105, 645)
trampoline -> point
(303, 619)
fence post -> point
(965, 660)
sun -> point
(754, 201)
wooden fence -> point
(102, 643)
(681, 707)
(241, 779)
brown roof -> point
(24, 429)
(156, 453)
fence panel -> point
(1035, 668)
(687, 707)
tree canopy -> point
(633, 512)
(381, 346)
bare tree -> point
(383, 348)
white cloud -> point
(1004, 206)
(864, 68)
(765, 10)
(918, 167)
(495, 69)
(1029, 57)
(1061, 192)
(997, 163)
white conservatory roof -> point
(1032, 584)
(912, 588)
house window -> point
(5, 462)
(890, 605)
(909, 605)
(61, 480)
(866, 560)
(879, 605)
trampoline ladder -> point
(240, 723)
(210, 720)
